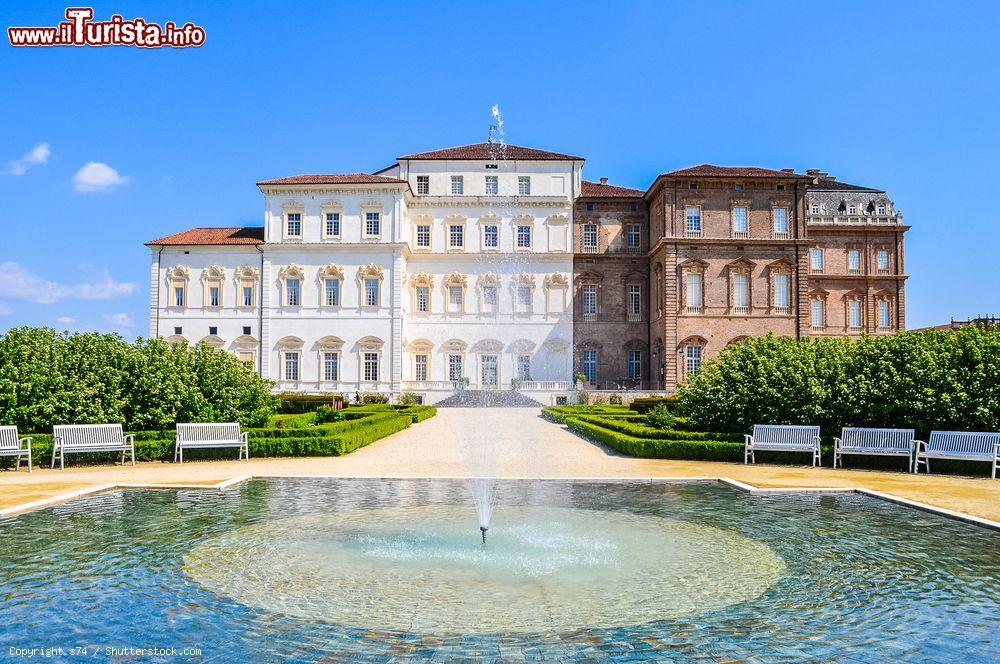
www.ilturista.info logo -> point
(80, 30)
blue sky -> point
(899, 95)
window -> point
(294, 227)
(523, 185)
(779, 217)
(491, 236)
(882, 260)
(424, 236)
(423, 299)
(692, 283)
(423, 185)
(884, 314)
(331, 225)
(692, 359)
(816, 259)
(814, 208)
(880, 210)
(692, 185)
(248, 296)
(331, 292)
(633, 237)
(524, 298)
(492, 185)
(246, 330)
(420, 367)
(247, 285)
(633, 296)
(331, 367)
(818, 314)
(456, 298)
(292, 294)
(590, 236)
(853, 260)
(741, 226)
(371, 292)
(692, 220)
(854, 314)
(741, 293)
(590, 207)
(457, 185)
(373, 224)
(782, 296)
(213, 330)
(456, 236)
(178, 296)
(178, 330)
(852, 209)
(291, 365)
(455, 367)
(524, 237)
(590, 365)
(524, 367)
(779, 187)
(213, 296)
(590, 299)
(739, 186)
(635, 364)
(490, 299)
(370, 362)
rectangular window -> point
(178, 296)
(456, 236)
(246, 330)
(213, 330)
(524, 367)
(332, 224)
(741, 226)
(457, 185)
(423, 185)
(854, 314)
(331, 292)
(524, 237)
(853, 260)
(491, 236)
(423, 299)
(490, 299)
(852, 209)
(882, 260)
(523, 185)
(331, 367)
(590, 236)
(634, 297)
(779, 217)
(424, 236)
(635, 364)
(633, 236)
(782, 297)
(590, 299)
(693, 287)
(692, 220)
(455, 367)
(816, 260)
(248, 296)
(292, 365)
(693, 360)
(884, 315)
(294, 224)
(456, 297)
(371, 367)
(420, 367)
(880, 210)
(741, 293)
(739, 186)
(590, 365)
(373, 224)
(814, 209)
(492, 185)
(213, 296)
(292, 292)
(371, 292)
(818, 314)
(524, 298)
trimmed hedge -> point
(701, 450)
(643, 405)
(295, 404)
(636, 430)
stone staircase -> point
(487, 399)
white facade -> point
(378, 286)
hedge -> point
(701, 450)
(636, 430)
(294, 404)
(643, 405)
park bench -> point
(782, 438)
(13, 445)
(959, 445)
(205, 435)
(882, 442)
(71, 438)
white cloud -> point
(36, 155)
(65, 320)
(121, 321)
(98, 177)
(18, 283)
(4, 309)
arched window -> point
(692, 351)
(329, 354)
(291, 277)
(370, 283)
(455, 285)
(212, 279)
(331, 278)
(247, 278)
(290, 358)
(177, 280)
(423, 287)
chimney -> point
(604, 180)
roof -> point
(830, 184)
(334, 178)
(709, 170)
(227, 235)
(491, 152)
(598, 190)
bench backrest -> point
(881, 439)
(964, 442)
(209, 431)
(89, 435)
(9, 439)
(784, 434)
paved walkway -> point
(524, 445)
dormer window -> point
(814, 208)
(852, 209)
(880, 210)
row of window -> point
(739, 293)
(851, 209)
(633, 365)
(740, 220)
(854, 264)
(332, 224)
(633, 236)
(855, 314)
(291, 366)
(491, 185)
(489, 295)
(456, 235)
(633, 301)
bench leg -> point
(817, 460)
(53, 465)
(133, 453)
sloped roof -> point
(597, 190)
(334, 178)
(226, 235)
(492, 151)
(710, 170)
(829, 184)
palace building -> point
(498, 267)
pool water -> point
(395, 570)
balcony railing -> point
(690, 233)
(544, 385)
(589, 249)
(856, 219)
(694, 309)
(782, 311)
(781, 235)
(741, 311)
(589, 317)
(741, 235)
(634, 316)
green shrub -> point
(373, 398)
(643, 405)
(409, 399)
(660, 417)
(615, 400)
(326, 414)
(704, 450)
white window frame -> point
(741, 293)
(693, 358)
(633, 301)
(780, 231)
(456, 307)
(854, 261)
(452, 227)
(590, 236)
(417, 235)
(324, 359)
(882, 260)
(855, 305)
(491, 184)
(298, 220)
(692, 221)
(884, 313)
(365, 283)
(371, 217)
(524, 185)
(457, 185)
(423, 185)
(694, 304)
(495, 307)
(817, 260)
(522, 306)
(633, 236)
(779, 294)
(740, 219)
(589, 361)
(286, 364)
(518, 236)
(456, 361)
(371, 362)
(338, 284)
(522, 366)
(486, 245)
(588, 300)
(422, 292)
(425, 370)
(817, 313)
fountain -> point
(483, 482)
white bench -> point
(782, 438)
(70, 438)
(959, 445)
(882, 442)
(205, 435)
(13, 445)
